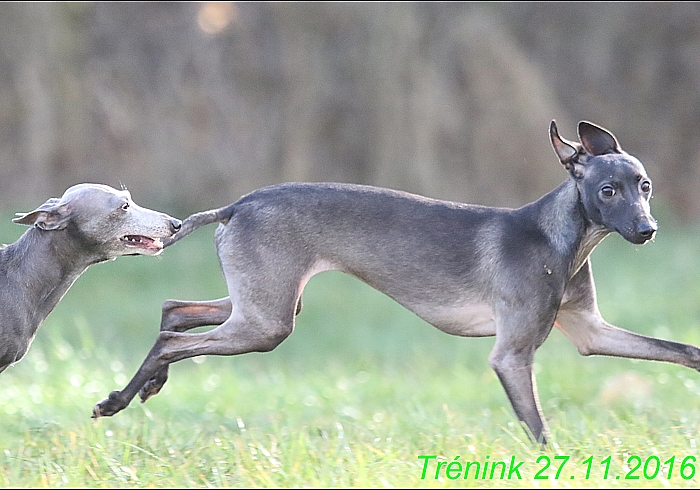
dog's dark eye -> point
(125, 206)
(646, 186)
(607, 191)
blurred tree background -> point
(191, 105)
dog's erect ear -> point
(567, 151)
(54, 214)
(597, 140)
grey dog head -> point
(104, 219)
(613, 185)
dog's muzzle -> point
(646, 230)
(175, 225)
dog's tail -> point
(197, 220)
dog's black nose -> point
(647, 229)
(175, 224)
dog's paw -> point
(109, 406)
(153, 385)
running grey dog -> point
(91, 223)
(468, 270)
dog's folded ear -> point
(597, 140)
(567, 151)
(54, 214)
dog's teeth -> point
(134, 239)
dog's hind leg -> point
(180, 316)
(245, 330)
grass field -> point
(356, 395)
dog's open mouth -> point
(143, 242)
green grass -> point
(354, 396)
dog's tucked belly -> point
(469, 320)
(319, 266)
(473, 319)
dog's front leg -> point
(519, 384)
(580, 321)
(519, 333)
(594, 336)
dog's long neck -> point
(563, 220)
(35, 273)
